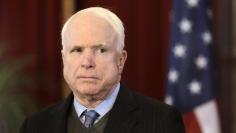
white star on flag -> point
(173, 76)
(195, 87)
(169, 100)
(179, 50)
(201, 62)
(206, 37)
(185, 25)
(192, 3)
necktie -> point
(90, 117)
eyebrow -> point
(99, 46)
(93, 47)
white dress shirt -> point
(102, 108)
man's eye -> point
(79, 50)
(102, 50)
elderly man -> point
(93, 59)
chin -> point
(89, 90)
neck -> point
(89, 102)
(92, 101)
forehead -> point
(89, 29)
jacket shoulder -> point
(151, 103)
(162, 116)
(47, 117)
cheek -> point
(70, 67)
(109, 67)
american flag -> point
(190, 85)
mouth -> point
(88, 77)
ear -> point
(122, 59)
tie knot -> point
(90, 117)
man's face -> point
(92, 63)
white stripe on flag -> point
(207, 116)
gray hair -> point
(110, 17)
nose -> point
(88, 60)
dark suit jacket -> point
(131, 113)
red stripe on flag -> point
(191, 123)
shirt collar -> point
(104, 107)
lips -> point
(88, 77)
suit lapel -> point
(123, 114)
(122, 117)
(58, 120)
